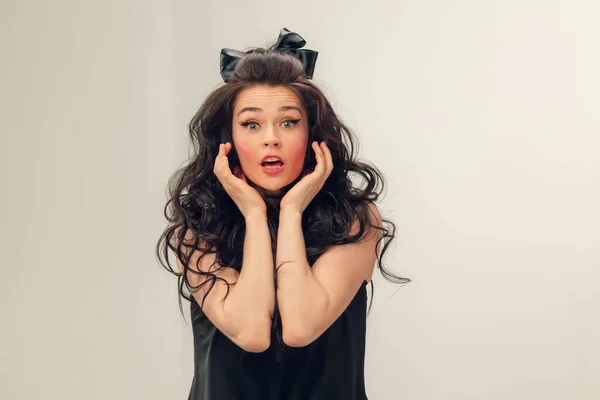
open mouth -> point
(271, 164)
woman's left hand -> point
(303, 192)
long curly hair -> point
(198, 202)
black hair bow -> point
(288, 42)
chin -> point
(271, 187)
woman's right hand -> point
(236, 185)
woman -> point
(274, 243)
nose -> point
(271, 138)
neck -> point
(273, 201)
(272, 198)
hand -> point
(303, 192)
(236, 185)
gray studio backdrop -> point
(482, 114)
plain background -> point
(483, 115)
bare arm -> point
(311, 299)
(245, 314)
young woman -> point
(274, 243)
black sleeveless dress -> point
(330, 368)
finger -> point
(325, 163)
(319, 157)
(328, 157)
(225, 169)
(222, 152)
(323, 155)
(222, 168)
(223, 149)
(218, 159)
(219, 169)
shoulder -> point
(373, 216)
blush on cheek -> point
(297, 157)
(244, 154)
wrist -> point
(255, 215)
(290, 212)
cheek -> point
(297, 154)
(244, 152)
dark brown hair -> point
(197, 200)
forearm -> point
(300, 296)
(251, 300)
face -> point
(270, 120)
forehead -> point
(269, 98)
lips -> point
(271, 160)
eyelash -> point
(294, 121)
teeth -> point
(271, 159)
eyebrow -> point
(257, 109)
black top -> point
(330, 368)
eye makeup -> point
(293, 121)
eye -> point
(292, 121)
(245, 124)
